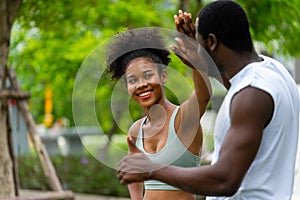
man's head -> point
(227, 21)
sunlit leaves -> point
(276, 23)
(50, 39)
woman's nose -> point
(141, 84)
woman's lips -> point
(145, 95)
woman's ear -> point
(164, 76)
(212, 42)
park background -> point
(49, 41)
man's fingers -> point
(124, 180)
(121, 177)
(126, 174)
(190, 27)
(179, 28)
(180, 12)
(127, 179)
(184, 23)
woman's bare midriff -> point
(168, 195)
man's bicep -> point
(251, 107)
(250, 110)
(237, 153)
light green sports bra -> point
(173, 153)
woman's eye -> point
(131, 81)
(147, 76)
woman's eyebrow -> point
(149, 70)
(130, 76)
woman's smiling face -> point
(144, 82)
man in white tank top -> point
(256, 130)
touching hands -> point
(136, 167)
(188, 49)
(184, 24)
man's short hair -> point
(228, 22)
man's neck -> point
(237, 62)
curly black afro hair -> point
(126, 46)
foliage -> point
(50, 39)
(72, 172)
(276, 23)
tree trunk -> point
(8, 11)
(195, 11)
(7, 188)
(192, 7)
(184, 5)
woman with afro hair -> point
(169, 134)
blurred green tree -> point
(275, 23)
(50, 39)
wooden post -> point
(6, 164)
(8, 12)
(48, 168)
(11, 152)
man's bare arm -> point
(251, 109)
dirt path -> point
(78, 196)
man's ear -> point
(212, 42)
(164, 76)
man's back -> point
(271, 174)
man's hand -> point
(184, 24)
(189, 50)
(136, 167)
(186, 48)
